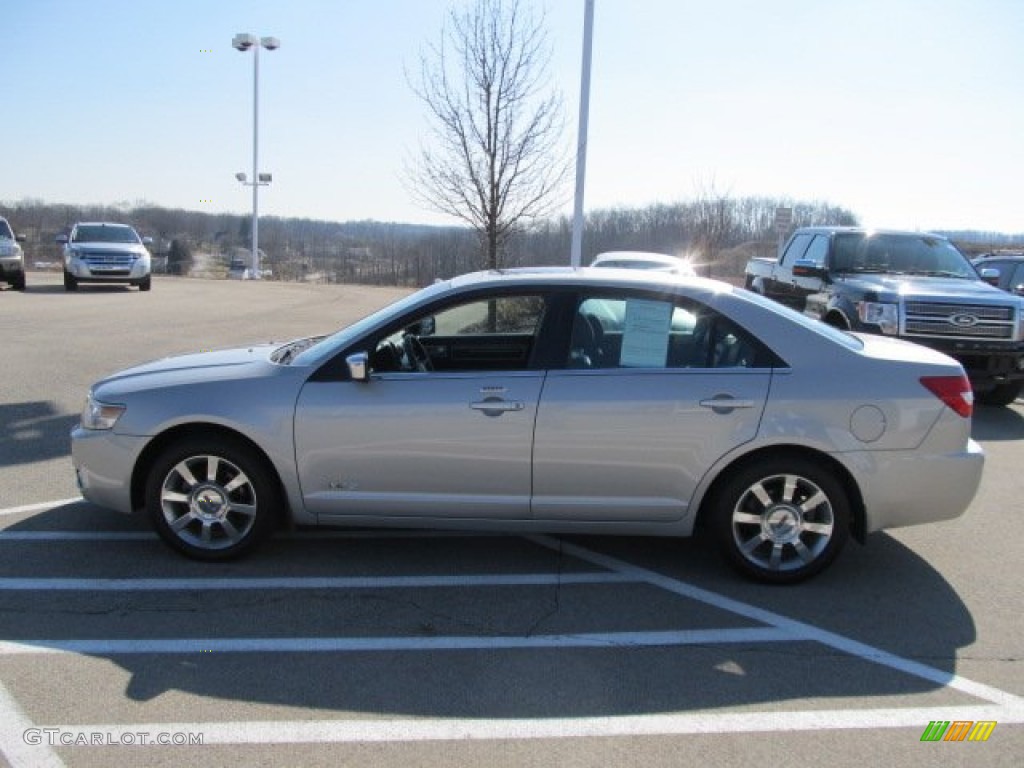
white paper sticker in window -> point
(645, 337)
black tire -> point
(1001, 395)
(212, 498)
(70, 282)
(18, 283)
(765, 528)
(145, 283)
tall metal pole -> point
(255, 161)
(255, 259)
(581, 145)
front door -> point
(418, 445)
(442, 428)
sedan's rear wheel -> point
(211, 498)
(781, 520)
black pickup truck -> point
(912, 285)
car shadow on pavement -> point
(882, 595)
(991, 423)
(36, 288)
(33, 431)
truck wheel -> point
(70, 282)
(18, 283)
(781, 520)
(1001, 395)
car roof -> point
(836, 229)
(637, 256)
(588, 277)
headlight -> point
(99, 415)
(885, 316)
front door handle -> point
(725, 403)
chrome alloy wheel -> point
(208, 502)
(782, 523)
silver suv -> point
(12, 258)
(101, 252)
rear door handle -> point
(496, 406)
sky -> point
(910, 113)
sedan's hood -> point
(244, 362)
(920, 286)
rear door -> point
(653, 394)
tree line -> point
(717, 232)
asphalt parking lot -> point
(397, 649)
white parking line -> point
(378, 644)
(47, 536)
(304, 535)
(797, 629)
(218, 584)
(670, 724)
(14, 724)
(39, 506)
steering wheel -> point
(416, 353)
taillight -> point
(954, 391)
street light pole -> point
(576, 250)
(243, 41)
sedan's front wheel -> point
(212, 498)
(781, 520)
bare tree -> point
(497, 159)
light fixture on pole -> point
(243, 41)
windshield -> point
(5, 231)
(104, 233)
(900, 254)
(327, 346)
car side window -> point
(496, 333)
(636, 332)
(1017, 279)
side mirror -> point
(1019, 289)
(358, 366)
(990, 275)
(21, 238)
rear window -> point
(822, 329)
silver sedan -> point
(569, 401)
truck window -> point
(796, 249)
(817, 251)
